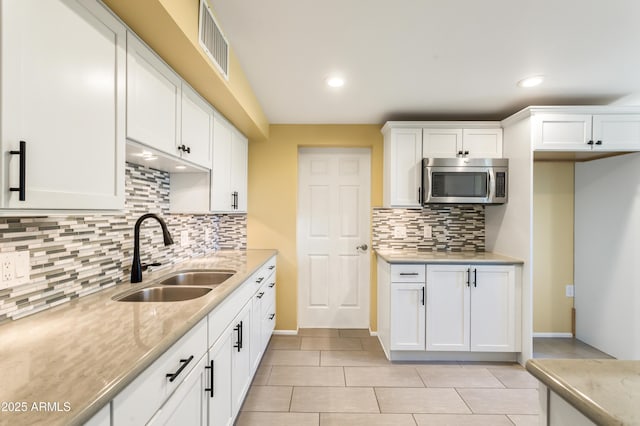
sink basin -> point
(164, 294)
(207, 278)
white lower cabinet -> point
(472, 308)
(188, 404)
(432, 311)
(219, 391)
(408, 313)
(240, 358)
(143, 397)
(196, 383)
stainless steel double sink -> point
(183, 285)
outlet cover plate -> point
(428, 231)
(568, 290)
(399, 232)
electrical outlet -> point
(184, 238)
(8, 268)
(399, 232)
(568, 290)
(428, 232)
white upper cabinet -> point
(63, 94)
(402, 167)
(153, 99)
(562, 132)
(458, 142)
(586, 132)
(616, 132)
(229, 173)
(441, 143)
(197, 128)
(482, 143)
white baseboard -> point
(286, 332)
(553, 335)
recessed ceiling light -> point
(181, 167)
(531, 81)
(335, 82)
(149, 157)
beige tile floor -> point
(341, 377)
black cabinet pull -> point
(238, 344)
(423, 295)
(409, 274)
(210, 389)
(22, 187)
(260, 295)
(419, 195)
(459, 152)
(466, 153)
(599, 143)
(271, 267)
(590, 143)
(234, 200)
(468, 277)
(272, 316)
(184, 148)
(272, 284)
(185, 362)
(259, 280)
(475, 277)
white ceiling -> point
(431, 59)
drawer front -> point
(225, 312)
(145, 395)
(408, 273)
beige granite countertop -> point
(414, 256)
(82, 353)
(607, 391)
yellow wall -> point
(552, 245)
(273, 189)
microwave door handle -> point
(489, 184)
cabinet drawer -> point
(409, 273)
(224, 313)
(143, 397)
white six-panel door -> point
(333, 221)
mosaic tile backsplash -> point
(78, 255)
(456, 227)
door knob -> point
(362, 247)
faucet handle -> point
(145, 266)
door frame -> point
(334, 149)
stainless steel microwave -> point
(464, 180)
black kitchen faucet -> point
(136, 267)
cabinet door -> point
(448, 303)
(196, 127)
(482, 143)
(63, 93)
(221, 192)
(441, 143)
(153, 99)
(403, 167)
(256, 348)
(239, 164)
(219, 399)
(616, 132)
(240, 357)
(407, 316)
(187, 405)
(561, 132)
(493, 309)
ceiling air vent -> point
(212, 40)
